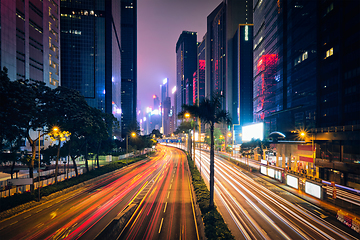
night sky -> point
(160, 23)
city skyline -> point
(156, 56)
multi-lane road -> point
(159, 188)
(158, 192)
(256, 209)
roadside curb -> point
(199, 219)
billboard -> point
(253, 131)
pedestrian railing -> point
(43, 183)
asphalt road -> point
(167, 211)
(159, 186)
(256, 209)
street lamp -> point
(303, 135)
(133, 134)
(39, 168)
(232, 143)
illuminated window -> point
(50, 78)
(49, 11)
(50, 62)
(304, 56)
(49, 42)
(49, 26)
(329, 52)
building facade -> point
(305, 81)
(186, 65)
(30, 40)
(91, 53)
(229, 60)
(128, 62)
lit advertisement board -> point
(253, 131)
(271, 172)
(292, 181)
(278, 175)
(313, 189)
(263, 170)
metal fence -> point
(43, 183)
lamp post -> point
(133, 134)
(232, 146)
(303, 135)
(56, 131)
(187, 116)
(39, 168)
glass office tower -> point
(186, 58)
(90, 53)
(128, 62)
(284, 64)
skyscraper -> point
(201, 70)
(229, 59)
(165, 106)
(305, 70)
(186, 58)
(90, 52)
(128, 62)
(285, 73)
(29, 37)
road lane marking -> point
(136, 219)
(162, 219)
(170, 186)
(165, 207)
(168, 194)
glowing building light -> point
(154, 96)
(246, 33)
(144, 119)
(148, 109)
(165, 81)
(173, 90)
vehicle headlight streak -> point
(237, 179)
(284, 208)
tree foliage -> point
(28, 106)
(209, 111)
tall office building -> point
(285, 73)
(306, 68)
(165, 106)
(128, 62)
(90, 52)
(186, 58)
(29, 40)
(166, 116)
(164, 90)
(339, 63)
(229, 59)
(199, 75)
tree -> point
(87, 125)
(59, 136)
(23, 109)
(209, 111)
(157, 133)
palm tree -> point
(209, 111)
